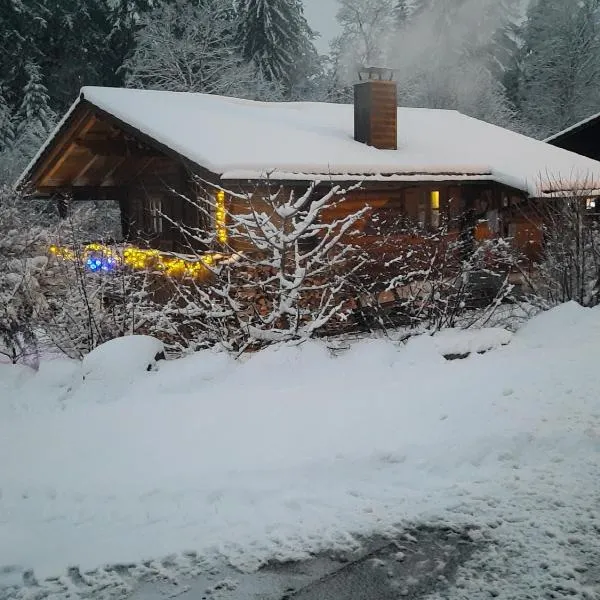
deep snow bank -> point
(291, 450)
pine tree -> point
(502, 18)
(35, 118)
(559, 66)
(74, 45)
(7, 138)
(6, 126)
(35, 107)
(23, 24)
(275, 36)
(126, 18)
(66, 39)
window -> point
(590, 203)
(435, 208)
(155, 208)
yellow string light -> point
(221, 217)
(147, 259)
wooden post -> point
(125, 209)
(468, 220)
(63, 204)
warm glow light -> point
(221, 217)
(435, 200)
(97, 257)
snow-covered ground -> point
(296, 449)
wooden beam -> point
(55, 162)
(116, 147)
(84, 192)
(107, 178)
(86, 168)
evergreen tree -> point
(275, 36)
(75, 49)
(66, 39)
(35, 118)
(6, 126)
(126, 19)
(23, 24)
(35, 107)
(559, 66)
(7, 135)
(502, 18)
(192, 48)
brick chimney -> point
(375, 109)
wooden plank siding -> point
(487, 209)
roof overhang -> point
(573, 129)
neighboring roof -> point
(589, 121)
(243, 139)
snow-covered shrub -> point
(23, 238)
(569, 266)
(290, 276)
(84, 307)
(434, 279)
(300, 267)
(122, 358)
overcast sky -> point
(321, 17)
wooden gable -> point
(91, 156)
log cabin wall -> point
(249, 199)
(398, 209)
(163, 188)
(483, 210)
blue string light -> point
(97, 262)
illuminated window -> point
(435, 208)
(590, 203)
(221, 217)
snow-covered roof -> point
(243, 139)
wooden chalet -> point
(147, 150)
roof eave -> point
(573, 128)
(24, 177)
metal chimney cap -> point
(376, 73)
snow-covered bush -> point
(301, 266)
(435, 278)
(569, 267)
(23, 238)
(290, 276)
(83, 306)
(122, 358)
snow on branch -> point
(293, 273)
